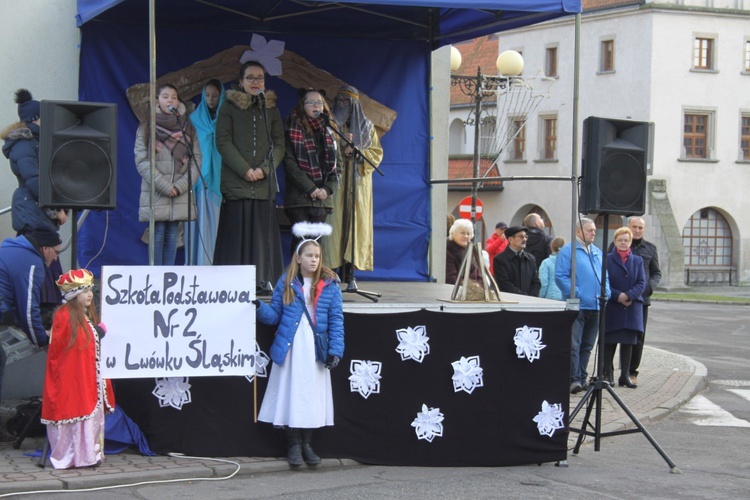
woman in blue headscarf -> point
(202, 232)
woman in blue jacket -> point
(307, 307)
(624, 316)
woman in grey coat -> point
(177, 161)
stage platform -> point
(413, 296)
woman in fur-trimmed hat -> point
(75, 395)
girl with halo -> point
(307, 307)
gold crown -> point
(76, 279)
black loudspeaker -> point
(617, 155)
(78, 155)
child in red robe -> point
(75, 396)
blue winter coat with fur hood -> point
(329, 317)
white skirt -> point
(299, 392)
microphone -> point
(173, 110)
(324, 116)
(261, 95)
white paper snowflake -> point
(528, 342)
(549, 419)
(266, 53)
(413, 343)
(261, 364)
(172, 391)
(365, 377)
(429, 423)
(467, 374)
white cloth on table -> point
(299, 392)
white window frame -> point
(744, 114)
(714, 52)
(547, 60)
(542, 137)
(511, 148)
(602, 41)
(710, 133)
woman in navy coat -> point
(624, 315)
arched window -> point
(456, 138)
(707, 239)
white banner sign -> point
(178, 321)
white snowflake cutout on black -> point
(549, 419)
(467, 374)
(429, 423)
(172, 391)
(413, 343)
(261, 364)
(528, 342)
(365, 377)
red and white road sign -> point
(464, 208)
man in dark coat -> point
(538, 244)
(515, 269)
(648, 252)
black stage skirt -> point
(248, 234)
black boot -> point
(307, 452)
(294, 446)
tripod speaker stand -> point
(593, 397)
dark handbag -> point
(321, 340)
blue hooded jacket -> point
(21, 278)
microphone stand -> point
(351, 181)
(191, 159)
(266, 288)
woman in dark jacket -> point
(21, 147)
(310, 161)
(248, 231)
(459, 237)
(624, 314)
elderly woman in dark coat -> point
(624, 315)
(459, 237)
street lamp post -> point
(480, 88)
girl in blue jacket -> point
(307, 307)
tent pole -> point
(574, 165)
(152, 117)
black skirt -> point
(248, 234)
(622, 336)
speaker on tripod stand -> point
(617, 155)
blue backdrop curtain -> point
(386, 56)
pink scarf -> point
(623, 255)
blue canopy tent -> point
(381, 47)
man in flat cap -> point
(515, 268)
